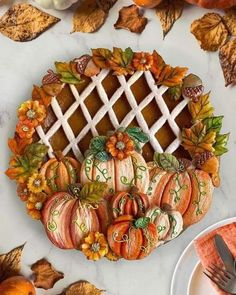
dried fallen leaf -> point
(10, 263)
(168, 12)
(91, 15)
(228, 61)
(201, 109)
(131, 19)
(197, 139)
(24, 22)
(83, 288)
(210, 31)
(230, 21)
(45, 274)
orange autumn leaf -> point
(197, 139)
(171, 76)
(121, 61)
(101, 57)
(39, 94)
(158, 64)
(17, 145)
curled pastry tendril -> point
(84, 205)
(124, 238)
(104, 172)
(175, 193)
(51, 224)
(82, 226)
(202, 194)
(173, 221)
(87, 169)
(161, 228)
(137, 169)
(155, 213)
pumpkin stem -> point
(134, 190)
(58, 155)
(75, 189)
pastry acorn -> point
(192, 87)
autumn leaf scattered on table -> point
(230, 21)
(82, 288)
(24, 22)
(228, 61)
(45, 274)
(131, 19)
(197, 139)
(168, 12)
(210, 31)
(10, 263)
(201, 109)
(91, 15)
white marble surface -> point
(23, 64)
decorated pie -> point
(116, 153)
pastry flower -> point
(95, 246)
(33, 111)
(25, 129)
(36, 183)
(142, 61)
(120, 145)
(34, 205)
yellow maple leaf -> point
(202, 108)
(171, 76)
(120, 61)
(210, 31)
(197, 140)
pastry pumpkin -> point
(17, 285)
(213, 3)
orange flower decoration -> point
(33, 111)
(25, 129)
(112, 256)
(23, 192)
(34, 205)
(120, 145)
(142, 61)
(95, 246)
(36, 183)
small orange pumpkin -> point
(147, 3)
(222, 4)
(132, 238)
(131, 203)
(60, 172)
(17, 285)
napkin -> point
(206, 249)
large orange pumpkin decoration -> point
(116, 160)
(129, 203)
(17, 285)
(59, 172)
(132, 238)
(213, 3)
(69, 217)
(188, 191)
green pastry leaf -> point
(213, 124)
(167, 162)
(220, 145)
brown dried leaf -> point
(230, 21)
(83, 288)
(45, 274)
(91, 15)
(171, 76)
(168, 12)
(131, 19)
(210, 31)
(24, 22)
(228, 61)
(10, 263)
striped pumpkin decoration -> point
(60, 172)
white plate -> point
(188, 272)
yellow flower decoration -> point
(36, 183)
(112, 256)
(34, 205)
(33, 111)
(95, 246)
